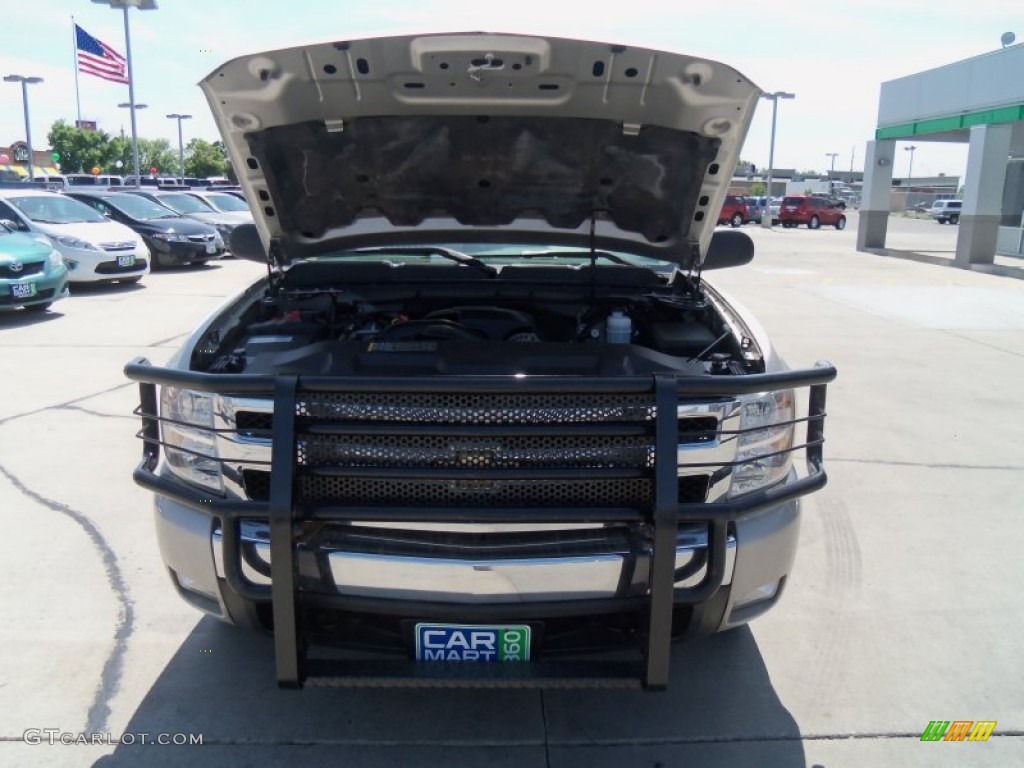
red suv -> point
(812, 211)
(734, 211)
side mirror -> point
(14, 226)
(244, 242)
(729, 248)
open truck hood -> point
(482, 137)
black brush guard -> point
(284, 511)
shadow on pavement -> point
(102, 288)
(17, 318)
(720, 709)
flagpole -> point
(131, 98)
(74, 47)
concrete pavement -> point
(905, 605)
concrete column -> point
(874, 199)
(983, 194)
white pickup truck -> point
(484, 413)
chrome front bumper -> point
(600, 566)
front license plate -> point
(469, 642)
(126, 261)
(23, 290)
(211, 248)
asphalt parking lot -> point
(905, 605)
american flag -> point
(96, 58)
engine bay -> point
(383, 319)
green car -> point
(32, 273)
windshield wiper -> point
(431, 250)
(582, 255)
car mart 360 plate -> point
(472, 642)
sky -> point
(832, 55)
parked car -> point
(153, 181)
(93, 247)
(194, 208)
(32, 271)
(89, 180)
(946, 210)
(810, 210)
(734, 211)
(173, 239)
(235, 191)
(223, 201)
(484, 406)
(755, 207)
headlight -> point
(55, 259)
(191, 451)
(170, 237)
(764, 451)
(73, 242)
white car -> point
(93, 247)
(946, 210)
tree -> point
(80, 149)
(229, 170)
(156, 153)
(204, 159)
(757, 188)
(120, 149)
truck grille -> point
(474, 492)
(437, 452)
(481, 408)
(313, 490)
(475, 449)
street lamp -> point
(832, 170)
(910, 170)
(766, 221)
(181, 147)
(25, 83)
(135, 141)
(124, 5)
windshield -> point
(139, 207)
(503, 254)
(223, 202)
(55, 209)
(182, 203)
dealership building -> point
(978, 102)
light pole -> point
(25, 83)
(766, 221)
(910, 170)
(124, 5)
(135, 140)
(181, 147)
(832, 170)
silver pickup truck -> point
(484, 414)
